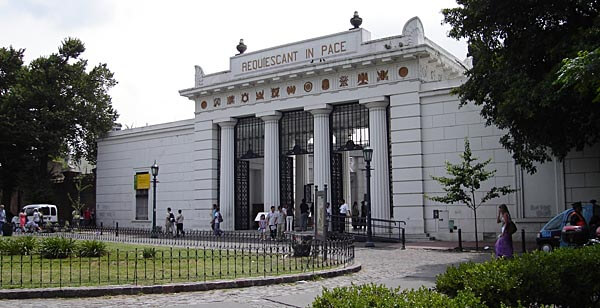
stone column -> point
(380, 175)
(271, 177)
(347, 184)
(322, 150)
(227, 176)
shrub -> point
(57, 247)
(91, 248)
(148, 253)
(565, 277)
(372, 295)
(18, 246)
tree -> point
(466, 181)
(76, 204)
(518, 48)
(52, 107)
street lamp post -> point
(154, 170)
(368, 156)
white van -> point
(49, 211)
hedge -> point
(566, 278)
(371, 295)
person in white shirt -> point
(272, 219)
(344, 211)
(280, 222)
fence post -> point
(524, 249)
(101, 226)
(460, 246)
(403, 239)
(117, 229)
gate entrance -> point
(249, 151)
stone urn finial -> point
(356, 21)
(241, 47)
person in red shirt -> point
(576, 217)
(87, 216)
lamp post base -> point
(153, 234)
(369, 244)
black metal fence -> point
(382, 229)
(199, 256)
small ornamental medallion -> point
(403, 71)
(363, 78)
(204, 104)
(216, 102)
(245, 97)
(274, 92)
(308, 86)
(291, 90)
(325, 84)
(382, 75)
(260, 95)
(230, 99)
(343, 81)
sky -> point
(152, 46)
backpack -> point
(171, 217)
(220, 217)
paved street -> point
(387, 264)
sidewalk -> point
(467, 246)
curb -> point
(172, 288)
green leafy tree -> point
(53, 107)
(466, 180)
(519, 77)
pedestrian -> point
(344, 211)
(504, 245)
(272, 219)
(87, 217)
(169, 221)
(2, 219)
(75, 215)
(289, 220)
(179, 223)
(355, 212)
(303, 215)
(328, 212)
(363, 214)
(212, 216)
(37, 220)
(262, 226)
(218, 219)
(22, 220)
(280, 222)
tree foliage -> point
(52, 107)
(465, 181)
(519, 49)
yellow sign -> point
(143, 180)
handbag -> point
(511, 228)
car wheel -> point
(546, 247)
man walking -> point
(303, 215)
(281, 222)
(2, 219)
(272, 219)
(289, 218)
(344, 210)
(169, 221)
(179, 223)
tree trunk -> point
(476, 236)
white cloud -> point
(152, 46)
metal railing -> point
(382, 229)
(198, 256)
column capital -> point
(375, 102)
(319, 109)
(225, 122)
(269, 115)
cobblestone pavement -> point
(388, 264)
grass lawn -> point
(124, 265)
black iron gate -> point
(242, 195)
(337, 181)
(286, 181)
